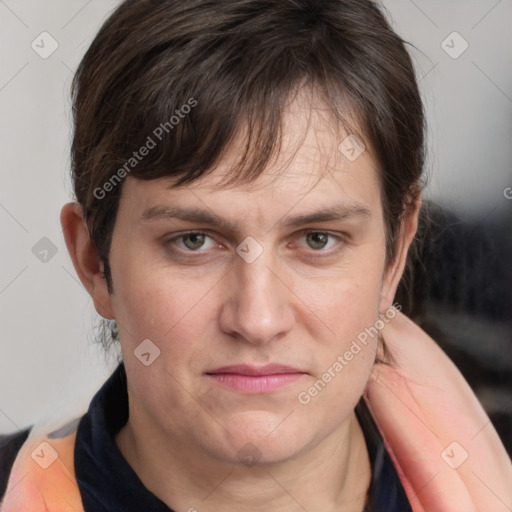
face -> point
(252, 282)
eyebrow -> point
(332, 213)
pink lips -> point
(253, 379)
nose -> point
(259, 306)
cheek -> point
(349, 301)
(158, 303)
(345, 354)
(351, 312)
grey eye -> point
(317, 240)
(196, 240)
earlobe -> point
(85, 257)
(395, 270)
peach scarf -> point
(43, 477)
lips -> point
(245, 369)
(249, 379)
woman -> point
(247, 178)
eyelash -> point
(323, 252)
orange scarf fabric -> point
(43, 477)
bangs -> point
(182, 93)
(184, 136)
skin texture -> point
(186, 433)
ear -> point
(85, 257)
(393, 273)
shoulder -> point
(10, 445)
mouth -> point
(255, 380)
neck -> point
(333, 475)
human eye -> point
(189, 242)
(322, 242)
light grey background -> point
(49, 364)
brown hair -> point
(233, 63)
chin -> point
(264, 438)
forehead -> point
(312, 145)
(315, 163)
